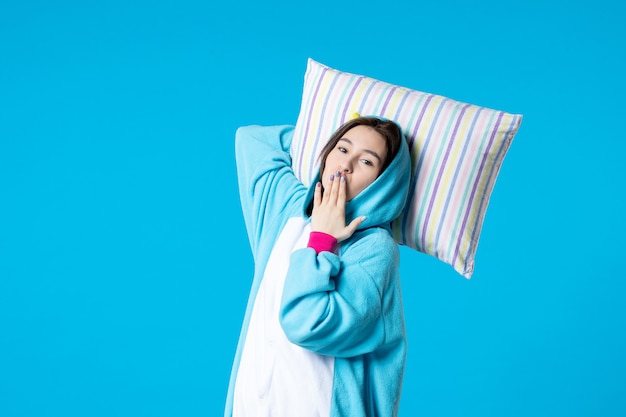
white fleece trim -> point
(275, 377)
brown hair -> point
(386, 128)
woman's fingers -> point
(341, 192)
(331, 195)
(317, 199)
(326, 194)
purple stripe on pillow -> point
(328, 98)
(308, 119)
(400, 108)
(455, 177)
(324, 106)
(387, 100)
(419, 120)
(368, 92)
(442, 168)
(402, 234)
(412, 137)
(409, 122)
(499, 157)
(349, 99)
(418, 170)
(494, 132)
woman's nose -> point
(345, 165)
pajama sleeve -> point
(266, 180)
(334, 305)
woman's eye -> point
(367, 162)
(342, 149)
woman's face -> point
(358, 156)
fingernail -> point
(337, 174)
(343, 179)
(319, 184)
(332, 177)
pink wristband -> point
(321, 241)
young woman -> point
(323, 333)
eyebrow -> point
(380, 160)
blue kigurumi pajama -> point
(323, 333)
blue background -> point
(124, 265)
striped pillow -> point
(456, 149)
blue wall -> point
(124, 264)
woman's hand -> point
(328, 214)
